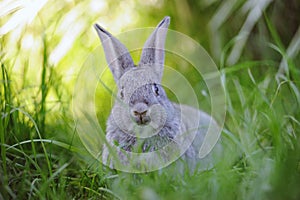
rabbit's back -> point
(201, 124)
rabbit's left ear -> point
(153, 53)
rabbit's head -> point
(142, 106)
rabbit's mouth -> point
(142, 120)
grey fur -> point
(144, 120)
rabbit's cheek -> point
(121, 117)
(158, 116)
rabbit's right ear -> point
(117, 56)
(153, 53)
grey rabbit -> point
(145, 130)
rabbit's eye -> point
(155, 89)
(122, 94)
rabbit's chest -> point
(130, 143)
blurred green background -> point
(44, 44)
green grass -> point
(262, 159)
(42, 156)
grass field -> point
(42, 156)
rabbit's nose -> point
(139, 109)
(140, 113)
